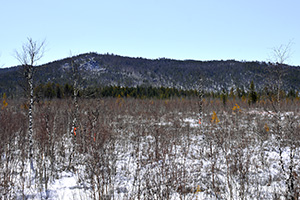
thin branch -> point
(31, 52)
(281, 54)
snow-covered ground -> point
(160, 155)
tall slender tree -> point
(75, 72)
(200, 102)
(284, 133)
(252, 94)
(31, 52)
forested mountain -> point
(108, 69)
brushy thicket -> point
(152, 149)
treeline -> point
(53, 90)
(140, 92)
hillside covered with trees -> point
(96, 70)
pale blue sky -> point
(178, 29)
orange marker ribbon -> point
(74, 131)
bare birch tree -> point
(284, 132)
(200, 102)
(31, 52)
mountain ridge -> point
(108, 69)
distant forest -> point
(139, 78)
(53, 90)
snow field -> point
(141, 151)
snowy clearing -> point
(137, 149)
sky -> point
(242, 30)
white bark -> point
(31, 52)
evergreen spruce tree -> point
(252, 94)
